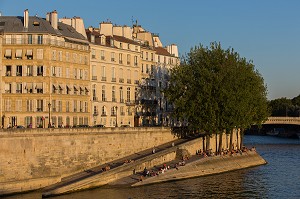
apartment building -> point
(54, 72)
(114, 62)
(44, 72)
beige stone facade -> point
(56, 72)
(45, 73)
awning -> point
(39, 86)
(69, 88)
(28, 52)
(19, 53)
(8, 53)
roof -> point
(124, 39)
(14, 24)
(162, 51)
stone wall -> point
(34, 158)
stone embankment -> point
(206, 166)
(129, 173)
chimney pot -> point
(26, 18)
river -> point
(280, 178)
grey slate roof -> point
(14, 24)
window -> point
(103, 40)
(39, 87)
(29, 87)
(103, 73)
(19, 71)
(120, 58)
(67, 106)
(40, 70)
(8, 71)
(121, 45)
(86, 107)
(29, 39)
(40, 39)
(29, 105)
(18, 39)
(8, 54)
(128, 59)
(29, 54)
(75, 106)
(60, 55)
(93, 54)
(151, 56)
(75, 73)
(39, 107)
(59, 106)
(53, 54)
(19, 54)
(7, 88)
(128, 94)
(19, 88)
(103, 94)
(113, 94)
(102, 55)
(113, 74)
(8, 39)
(121, 95)
(29, 70)
(112, 56)
(93, 38)
(146, 55)
(53, 71)
(135, 61)
(103, 111)
(40, 54)
(19, 105)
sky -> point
(264, 31)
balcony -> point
(113, 79)
(94, 77)
(96, 113)
(95, 99)
(149, 102)
(39, 109)
(103, 79)
(113, 99)
(121, 80)
(128, 81)
(130, 102)
(136, 81)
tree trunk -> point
(242, 138)
(216, 143)
(237, 138)
(203, 143)
(207, 142)
(231, 137)
(220, 142)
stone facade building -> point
(54, 72)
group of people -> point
(234, 150)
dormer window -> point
(102, 40)
(93, 38)
(111, 42)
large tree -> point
(216, 90)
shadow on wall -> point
(185, 132)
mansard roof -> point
(14, 24)
(162, 51)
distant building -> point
(110, 75)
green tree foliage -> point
(216, 90)
(283, 107)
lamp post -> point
(49, 123)
(116, 116)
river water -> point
(280, 178)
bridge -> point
(283, 120)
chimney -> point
(54, 19)
(26, 18)
(48, 16)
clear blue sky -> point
(265, 31)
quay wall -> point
(35, 158)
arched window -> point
(103, 111)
